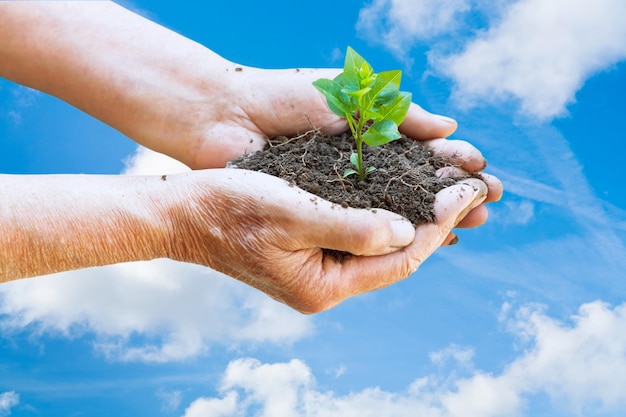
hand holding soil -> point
(268, 234)
(432, 184)
(177, 97)
(373, 165)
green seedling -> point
(372, 104)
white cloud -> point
(580, 365)
(214, 407)
(397, 24)
(461, 355)
(513, 212)
(149, 311)
(535, 51)
(540, 53)
(182, 309)
(147, 162)
(21, 99)
(170, 400)
(339, 371)
(8, 400)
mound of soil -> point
(404, 181)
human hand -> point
(266, 103)
(270, 235)
(284, 102)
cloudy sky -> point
(526, 316)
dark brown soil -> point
(404, 181)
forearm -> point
(110, 63)
(57, 223)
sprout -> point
(360, 96)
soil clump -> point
(404, 181)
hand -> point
(267, 103)
(270, 235)
(177, 97)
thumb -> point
(380, 232)
(358, 231)
(422, 125)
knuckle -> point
(371, 237)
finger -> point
(480, 214)
(228, 143)
(452, 204)
(476, 217)
(357, 231)
(494, 185)
(363, 274)
(422, 125)
(451, 240)
(460, 153)
(301, 220)
(309, 221)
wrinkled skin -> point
(175, 96)
(274, 244)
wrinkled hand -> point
(176, 97)
(265, 103)
(270, 235)
(259, 104)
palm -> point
(282, 102)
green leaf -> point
(371, 115)
(348, 82)
(385, 88)
(337, 100)
(370, 169)
(358, 94)
(381, 132)
(366, 76)
(397, 109)
(354, 158)
(355, 64)
(348, 172)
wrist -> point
(186, 223)
(204, 216)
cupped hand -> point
(266, 103)
(258, 104)
(270, 235)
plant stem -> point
(359, 149)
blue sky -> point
(525, 317)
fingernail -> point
(479, 189)
(478, 195)
(403, 233)
(454, 241)
(445, 119)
